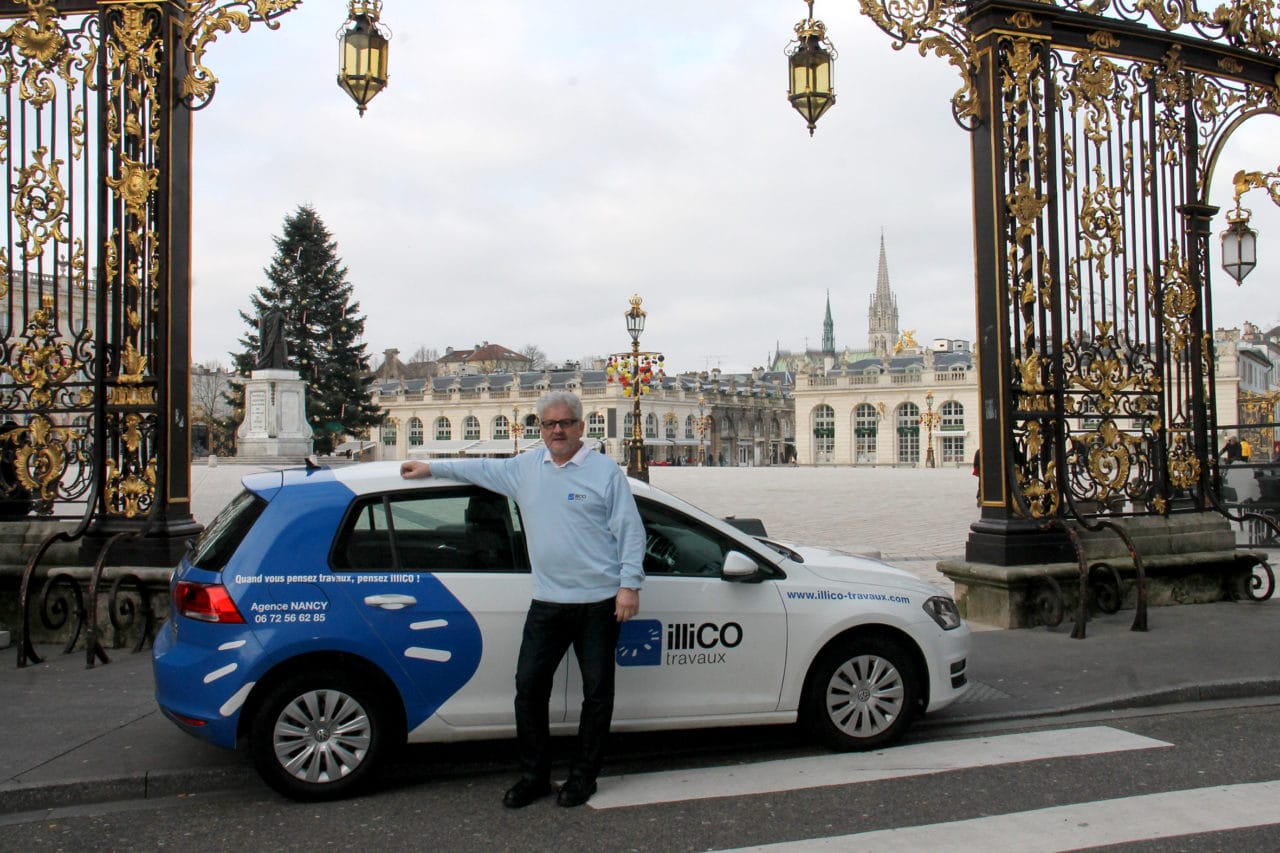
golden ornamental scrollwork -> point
(42, 47)
(41, 455)
(204, 21)
(135, 184)
(1103, 40)
(45, 362)
(39, 204)
(1024, 20)
(127, 493)
(1179, 301)
(934, 27)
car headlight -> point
(943, 611)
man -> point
(1231, 450)
(586, 546)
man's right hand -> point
(413, 470)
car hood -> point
(848, 568)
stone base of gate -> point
(52, 617)
(1188, 559)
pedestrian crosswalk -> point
(1149, 817)
(1145, 817)
(850, 768)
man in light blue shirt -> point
(586, 547)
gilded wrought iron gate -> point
(1095, 127)
(95, 278)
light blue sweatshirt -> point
(583, 529)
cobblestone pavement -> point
(912, 517)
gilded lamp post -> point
(930, 419)
(635, 372)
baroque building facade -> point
(688, 419)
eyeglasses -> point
(563, 423)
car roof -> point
(365, 478)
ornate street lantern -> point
(810, 57)
(1239, 245)
(635, 319)
(362, 52)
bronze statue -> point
(273, 352)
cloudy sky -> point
(531, 165)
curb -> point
(17, 798)
(153, 784)
(1213, 691)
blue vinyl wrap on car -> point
(294, 604)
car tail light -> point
(206, 602)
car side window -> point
(442, 530)
(678, 545)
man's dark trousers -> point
(549, 630)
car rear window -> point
(224, 534)
(439, 530)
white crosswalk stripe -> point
(851, 768)
(1117, 821)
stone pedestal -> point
(1188, 558)
(275, 416)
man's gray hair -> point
(560, 398)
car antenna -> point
(313, 464)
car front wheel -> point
(863, 694)
(319, 736)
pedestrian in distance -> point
(586, 548)
(1246, 450)
(1231, 450)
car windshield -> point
(221, 538)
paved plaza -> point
(910, 517)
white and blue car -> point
(328, 615)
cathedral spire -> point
(882, 317)
(828, 331)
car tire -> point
(863, 694)
(320, 736)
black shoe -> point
(575, 791)
(524, 792)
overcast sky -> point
(531, 165)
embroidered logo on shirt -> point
(573, 497)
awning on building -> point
(440, 448)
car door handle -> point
(390, 601)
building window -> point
(627, 424)
(444, 429)
(865, 427)
(651, 425)
(415, 432)
(389, 431)
(501, 427)
(531, 430)
(824, 434)
(952, 416)
(953, 448)
(688, 427)
(908, 423)
(671, 421)
(595, 425)
(471, 428)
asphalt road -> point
(1111, 781)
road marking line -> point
(849, 768)
(1128, 819)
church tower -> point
(882, 317)
(828, 331)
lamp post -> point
(1239, 241)
(704, 426)
(930, 420)
(362, 52)
(515, 429)
(809, 59)
(635, 372)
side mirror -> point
(739, 567)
